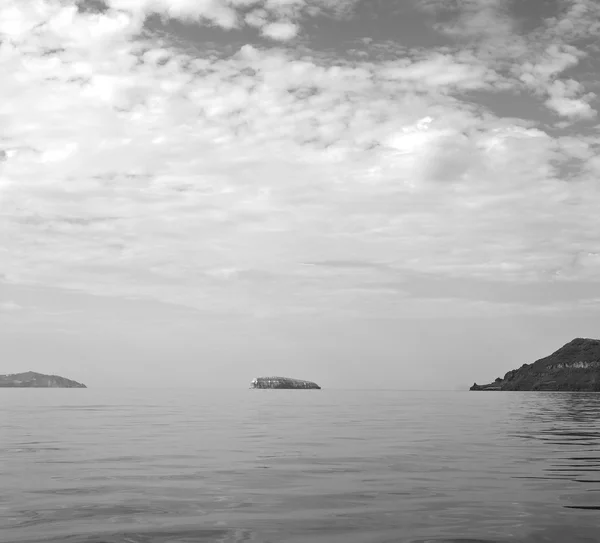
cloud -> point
(217, 12)
(566, 97)
(468, 19)
(441, 71)
(569, 107)
(9, 307)
(276, 19)
(282, 31)
(132, 168)
(488, 29)
(577, 19)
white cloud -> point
(443, 71)
(472, 18)
(537, 59)
(577, 19)
(9, 307)
(131, 168)
(569, 107)
(275, 18)
(257, 18)
(553, 61)
(282, 31)
(566, 97)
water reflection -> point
(191, 535)
(291, 468)
(568, 427)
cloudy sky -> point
(365, 193)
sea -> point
(296, 466)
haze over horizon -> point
(362, 193)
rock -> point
(575, 367)
(31, 379)
(282, 382)
(493, 386)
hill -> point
(574, 367)
(282, 382)
(31, 379)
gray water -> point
(164, 466)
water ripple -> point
(366, 467)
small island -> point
(575, 367)
(282, 382)
(31, 379)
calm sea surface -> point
(133, 466)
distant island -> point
(31, 379)
(575, 367)
(282, 382)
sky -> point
(396, 194)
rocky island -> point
(31, 379)
(575, 367)
(282, 382)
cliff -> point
(282, 382)
(574, 367)
(31, 379)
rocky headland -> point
(282, 382)
(31, 379)
(575, 367)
